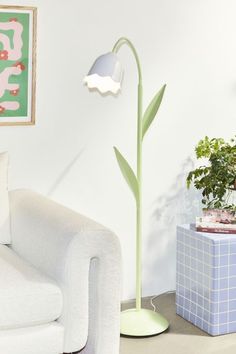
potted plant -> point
(217, 177)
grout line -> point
(207, 321)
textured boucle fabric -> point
(83, 257)
(27, 297)
(45, 339)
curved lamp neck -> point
(126, 41)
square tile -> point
(206, 280)
(232, 327)
(232, 316)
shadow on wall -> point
(177, 206)
(64, 173)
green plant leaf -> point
(151, 110)
(216, 179)
(128, 173)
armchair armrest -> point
(83, 257)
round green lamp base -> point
(141, 323)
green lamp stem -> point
(115, 49)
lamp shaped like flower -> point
(106, 76)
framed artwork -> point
(17, 65)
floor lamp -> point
(106, 75)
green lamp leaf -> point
(128, 173)
(152, 109)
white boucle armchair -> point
(72, 263)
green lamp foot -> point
(140, 323)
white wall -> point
(68, 155)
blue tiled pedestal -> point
(206, 280)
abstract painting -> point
(17, 65)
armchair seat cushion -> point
(27, 297)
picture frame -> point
(17, 64)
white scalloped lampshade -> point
(106, 74)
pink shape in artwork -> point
(14, 53)
(9, 105)
(4, 79)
